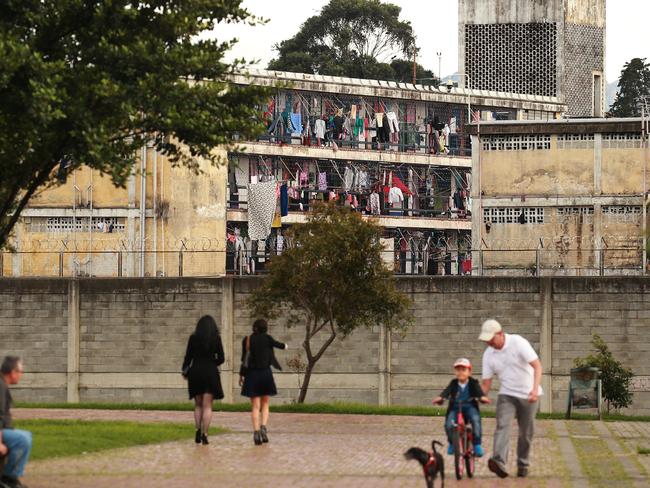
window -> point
(512, 215)
(575, 137)
(68, 224)
(516, 143)
(622, 213)
(598, 96)
(567, 211)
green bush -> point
(615, 377)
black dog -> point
(432, 463)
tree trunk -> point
(305, 381)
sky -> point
(435, 23)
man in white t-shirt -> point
(513, 360)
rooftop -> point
(339, 84)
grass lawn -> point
(58, 438)
(333, 408)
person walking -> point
(513, 360)
(15, 445)
(203, 357)
(256, 377)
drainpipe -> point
(143, 203)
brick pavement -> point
(305, 450)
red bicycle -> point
(462, 441)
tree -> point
(88, 83)
(355, 38)
(615, 377)
(633, 84)
(333, 281)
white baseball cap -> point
(463, 362)
(489, 329)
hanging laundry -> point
(395, 195)
(279, 242)
(374, 203)
(319, 129)
(322, 181)
(393, 123)
(284, 200)
(348, 178)
(296, 124)
(261, 209)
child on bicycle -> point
(466, 390)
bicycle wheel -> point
(469, 457)
(457, 443)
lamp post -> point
(439, 54)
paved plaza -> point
(308, 450)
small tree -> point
(615, 377)
(333, 281)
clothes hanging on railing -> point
(261, 209)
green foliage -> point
(616, 379)
(633, 84)
(355, 38)
(90, 82)
(333, 281)
(58, 438)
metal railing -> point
(412, 261)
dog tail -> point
(433, 445)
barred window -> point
(622, 136)
(575, 137)
(80, 224)
(622, 213)
(513, 215)
(517, 143)
(567, 211)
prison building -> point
(397, 153)
(562, 197)
(543, 47)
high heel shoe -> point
(204, 439)
(265, 438)
(197, 436)
(257, 438)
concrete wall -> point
(593, 170)
(124, 340)
(195, 215)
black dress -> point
(203, 375)
(258, 377)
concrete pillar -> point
(546, 343)
(385, 345)
(598, 209)
(228, 336)
(74, 330)
(477, 211)
(16, 257)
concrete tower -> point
(552, 48)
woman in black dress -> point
(203, 356)
(257, 379)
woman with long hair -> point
(256, 377)
(203, 357)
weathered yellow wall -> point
(622, 171)
(538, 173)
(197, 215)
(104, 193)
